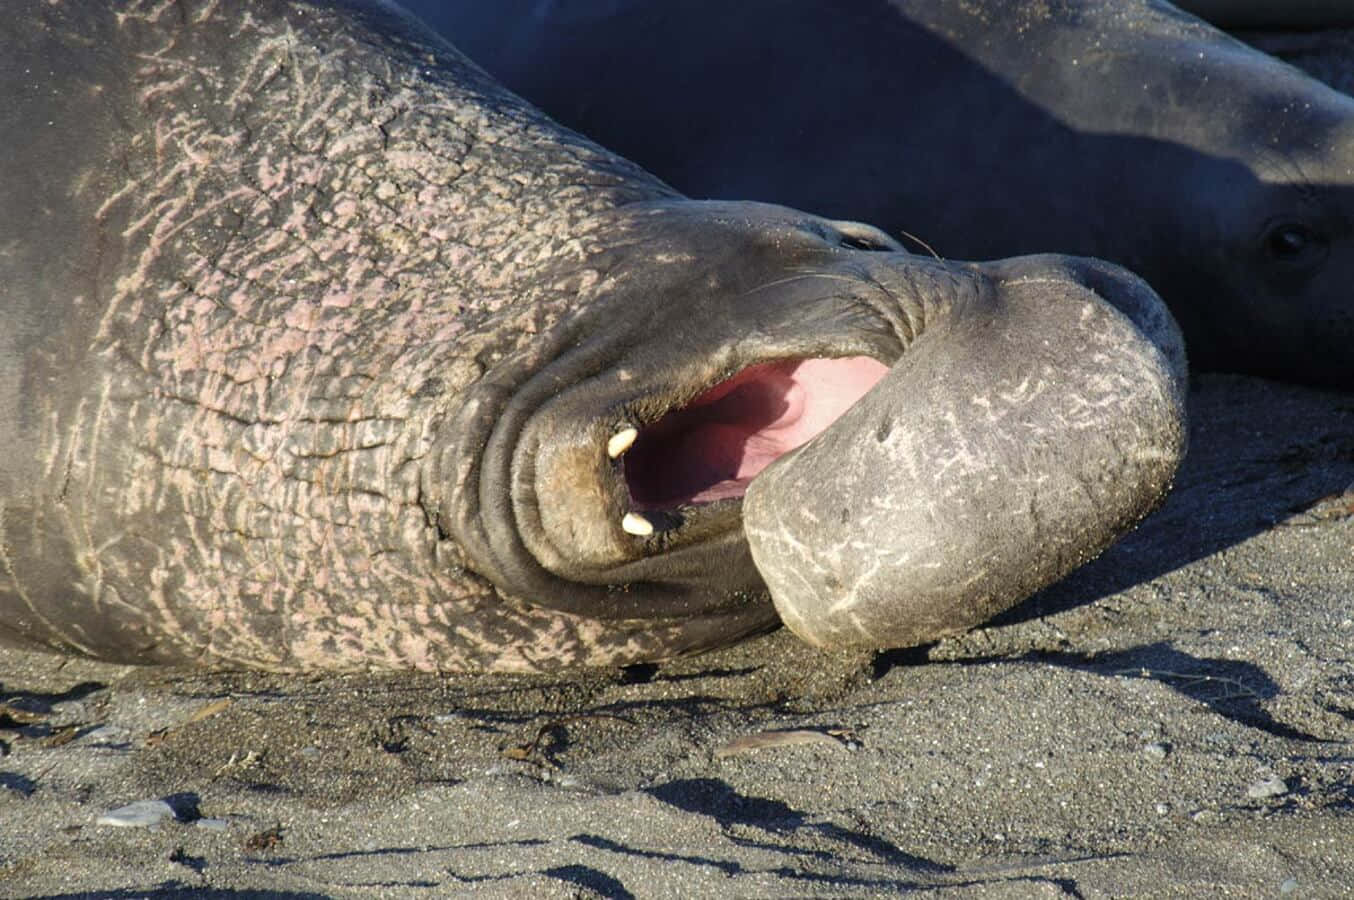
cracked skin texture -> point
(289, 255)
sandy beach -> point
(1177, 719)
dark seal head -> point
(324, 351)
(1125, 130)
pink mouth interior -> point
(712, 448)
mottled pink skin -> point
(307, 240)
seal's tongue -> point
(1005, 448)
(714, 446)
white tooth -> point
(635, 524)
(621, 441)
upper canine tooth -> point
(635, 524)
(621, 441)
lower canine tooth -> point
(636, 525)
(620, 442)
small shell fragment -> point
(792, 737)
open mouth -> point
(611, 478)
(711, 448)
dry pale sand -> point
(1175, 720)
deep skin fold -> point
(287, 292)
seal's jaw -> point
(891, 497)
(636, 477)
(598, 472)
(625, 457)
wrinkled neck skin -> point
(297, 244)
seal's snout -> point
(1016, 438)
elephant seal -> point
(323, 351)
(1122, 129)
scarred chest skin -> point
(289, 252)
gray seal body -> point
(320, 350)
(1122, 129)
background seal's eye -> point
(1294, 242)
